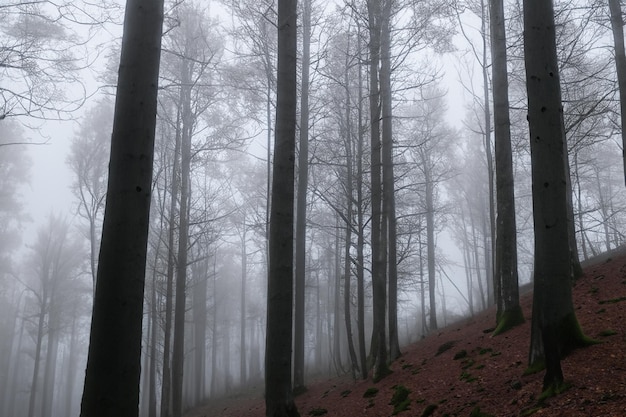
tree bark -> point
(509, 312)
(553, 311)
(379, 340)
(278, 391)
(617, 26)
(114, 358)
(303, 181)
(178, 348)
(389, 179)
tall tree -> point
(113, 366)
(617, 26)
(88, 161)
(388, 176)
(278, 393)
(378, 347)
(506, 291)
(301, 204)
(554, 319)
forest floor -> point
(461, 369)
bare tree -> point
(555, 328)
(278, 393)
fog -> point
(217, 96)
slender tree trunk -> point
(166, 391)
(200, 315)
(114, 359)
(389, 179)
(617, 26)
(555, 322)
(509, 312)
(430, 242)
(360, 244)
(178, 348)
(37, 357)
(49, 375)
(243, 376)
(337, 302)
(379, 339)
(492, 293)
(278, 391)
(303, 181)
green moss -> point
(445, 347)
(553, 390)
(536, 367)
(467, 377)
(509, 319)
(429, 410)
(400, 399)
(345, 393)
(318, 411)
(477, 413)
(370, 392)
(571, 335)
(460, 354)
(612, 300)
(407, 366)
(529, 411)
(607, 333)
(468, 363)
(381, 373)
(485, 351)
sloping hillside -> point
(462, 369)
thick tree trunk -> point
(278, 393)
(114, 359)
(509, 312)
(303, 181)
(49, 374)
(555, 321)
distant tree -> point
(113, 366)
(555, 328)
(88, 158)
(301, 204)
(55, 260)
(42, 52)
(278, 393)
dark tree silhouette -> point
(554, 320)
(278, 394)
(113, 365)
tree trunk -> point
(278, 393)
(243, 376)
(38, 345)
(553, 308)
(303, 181)
(430, 242)
(360, 244)
(166, 385)
(114, 359)
(378, 346)
(389, 179)
(492, 293)
(178, 347)
(200, 315)
(617, 26)
(49, 374)
(509, 313)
